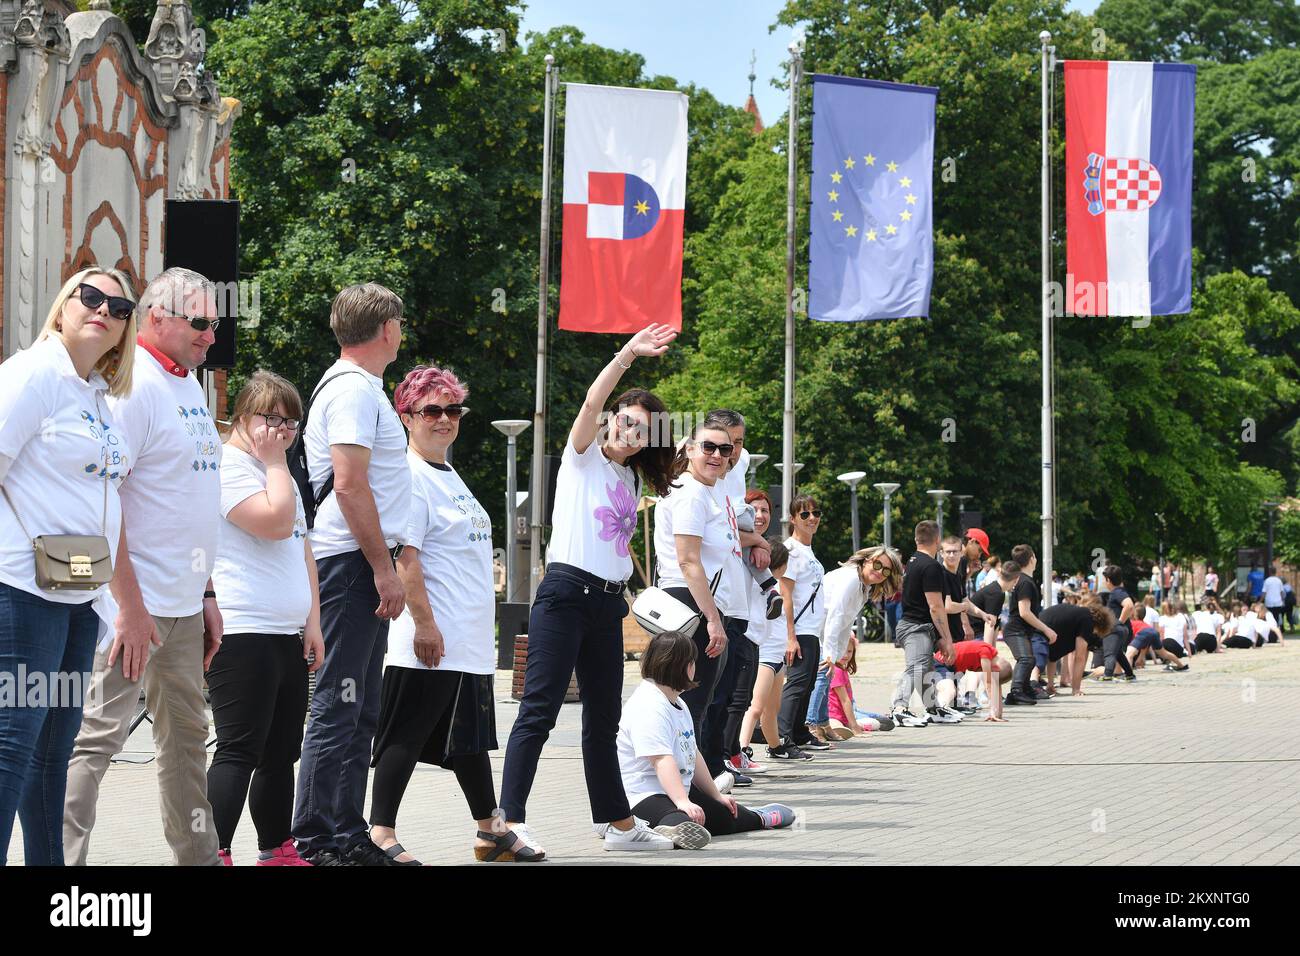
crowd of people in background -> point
(334, 537)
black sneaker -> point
(748, 752)
(365, 853)
(774, 605)
(814, 744)
(787, 752)
(740, 780)
(325, 858)
(1130, 678)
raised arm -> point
(652, 340)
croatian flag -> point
(1128, 187)
(624, 208)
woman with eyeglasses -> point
(805, 613)
(61, 461)
(576, 623)
(693, 541)
(270, 604)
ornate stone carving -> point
(172, 43)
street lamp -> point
(961, 509)
(754, 462)
(510, 427)
(887, 488)
(851, 478)
(1271, 507)
(794, 470)
(939, 494)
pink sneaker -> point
(224, 857)
(284, 855)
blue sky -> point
(707, 42)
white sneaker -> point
(521, 830)
(686, 836)
(905, 718)
(640, 837)
(600, 829)
(724, 782)
(942, 715)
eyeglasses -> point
(879, 565)
(431, 413)
(119, 307)
(952, 550)
(275, 421)
(807, 514)
(198, 323)
(710, 449)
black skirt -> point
(444, 714)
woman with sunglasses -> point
(61, 461)
(576, 621)
(270, 605)
(437, 706)
(693, 542)
(805, 613)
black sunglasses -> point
(431, 413)
(275, 421)
(815, 514)
(197, 322)
(119, 307)
(710, 448)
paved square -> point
(1199, 767)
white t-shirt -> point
(1273, 596)
(692, 509)
(652, 726)
(1150, 615)
(171, 499)
(842, 594)
(595, 513)
(806, 572)
(454, 537)
(1246, 625)
(354, 410)
(1175, 627)
(730, 492)
(56, 437)
(1205, 622)
(1212, 582)
(262, 585)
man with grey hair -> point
(160, 609)
(356, 458)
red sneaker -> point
(285, 855)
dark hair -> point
(726, 417)
(925, 532)
(679, 460)
(799, 502)
(779, 556)
(655, 460)
(993, 561)
(1008, 570)
(1113, 574)
(1023, 554)
(667, 661)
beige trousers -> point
(173, 689)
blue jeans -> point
(819, 702)
(329, 811)
(56, 641)
(1042, 653)
(574, 626)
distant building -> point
(751, 105)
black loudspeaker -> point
(552, 473)
(512, 620)
(203, 235)
(972, 519)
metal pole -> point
(889, 538)
(1268, 553)
(792, 155)
(538, 494)
(511, 495)
(853, 507)
(1049, 518)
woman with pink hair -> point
(437, 705)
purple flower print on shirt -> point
(617, 523)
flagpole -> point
(538, 492)
(1049, 517)
(792, 154)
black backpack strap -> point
(328, 486)
(812, 597)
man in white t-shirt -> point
(356, 456)
(167, 625)
(1274, 595)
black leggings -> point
(258, 687)
(707, 669)
(660, 810)
(1239, 641)
(393, 773)
(1173, 647)
(746, 652)
(1204, 643)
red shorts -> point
(970, 653)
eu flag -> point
(872, 252)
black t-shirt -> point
(1026, 587)
(1115, 602)
(923, 574)
(1069, 621)
(988, 599)
(957, 592)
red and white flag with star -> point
(624, 208)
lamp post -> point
(1271, 507)
(887, 488)
(851, 478)
(961, 510)
(786, 520)
(939, 494)
(510, 427)
(754, 462)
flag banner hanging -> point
(1128, 187)
(624, 208)
(871, 254)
